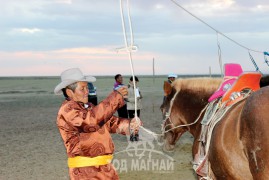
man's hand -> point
(123, 91)
(135, 124)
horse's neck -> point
(194, 104)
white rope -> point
(219, 53)
(171, 123)
(184, 125)
(129, 48)
(132, 47)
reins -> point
(182, 125)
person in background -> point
(167, 84)
(85, 128)
(132, 94)
(122, 112)
(167, 88)
(131, 98)
(118, 81)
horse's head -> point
(183, 106)
(165, 107)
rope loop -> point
(133, 48)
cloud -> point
(27, 30)
(64, 1)
(85, 50)
(66, 33)
(95, 60)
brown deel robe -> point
(86, 132)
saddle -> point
(247, 80)
(231, 73)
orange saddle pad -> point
(247, 80)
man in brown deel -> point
(85, 128)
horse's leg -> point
(177, 135)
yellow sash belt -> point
(82, 161)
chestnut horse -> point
(239, 144)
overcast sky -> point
(45, 37)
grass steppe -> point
(31, 146)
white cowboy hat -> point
(172, 75)
(71, 76)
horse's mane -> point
(197, 84)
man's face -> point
(172, 79)
(81, 92)
(119, 79)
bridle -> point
(167, 115)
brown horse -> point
(239, 144)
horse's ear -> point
(167, 88)
(264, 81)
